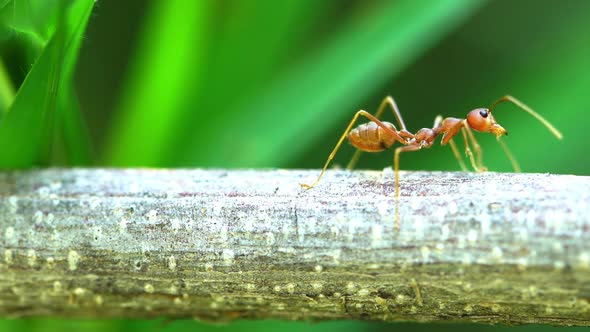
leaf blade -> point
(26, 132)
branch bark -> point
(220, 245)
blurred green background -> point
(264, 83)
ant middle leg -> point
(393, 133)
(387, 101)
(457, 155)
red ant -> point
(377, 136)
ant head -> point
(481, 119)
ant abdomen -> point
(370, 137)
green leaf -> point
(171, 88)
(167, 63)
(36, 18)
(27, 130)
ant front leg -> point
(478, 166)
(437, 122)
(337, 147)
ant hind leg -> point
(393, 133)
(387, 101)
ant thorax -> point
(425, 137)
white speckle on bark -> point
(122, 225)
(228, 255)
(401, 299)
(472, 236)
(149, 288)
(73, 259)
(43, 192)
(152, 216)
(38, 217)
(558, 265)
(444, 232)
(50, 262)
(363, 292)
(425, 251)
(94, 202)
(175, 224)
(290, 288)
(31, 257)
(8, 256)
(270, 238)
(497, 254)
(351, 287)
(79, 291)
(522, 263)
(50, 218)
(584, 260)
(452, 208)
(57, 287)
(12, 204)
(467, 259)
(9, 234)
(172, 263)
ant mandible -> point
(377, 136)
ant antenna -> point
(527, 109)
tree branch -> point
(220, 245)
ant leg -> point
(457, 155)
(333, 153)
(399, 150)
(468, 150)
(510, 156)
(468, 135)
(476, 147)
(355, 158)
(437, 122)
(547, 124)
(398, 116)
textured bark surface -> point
(220, 245)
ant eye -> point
(483, 113)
